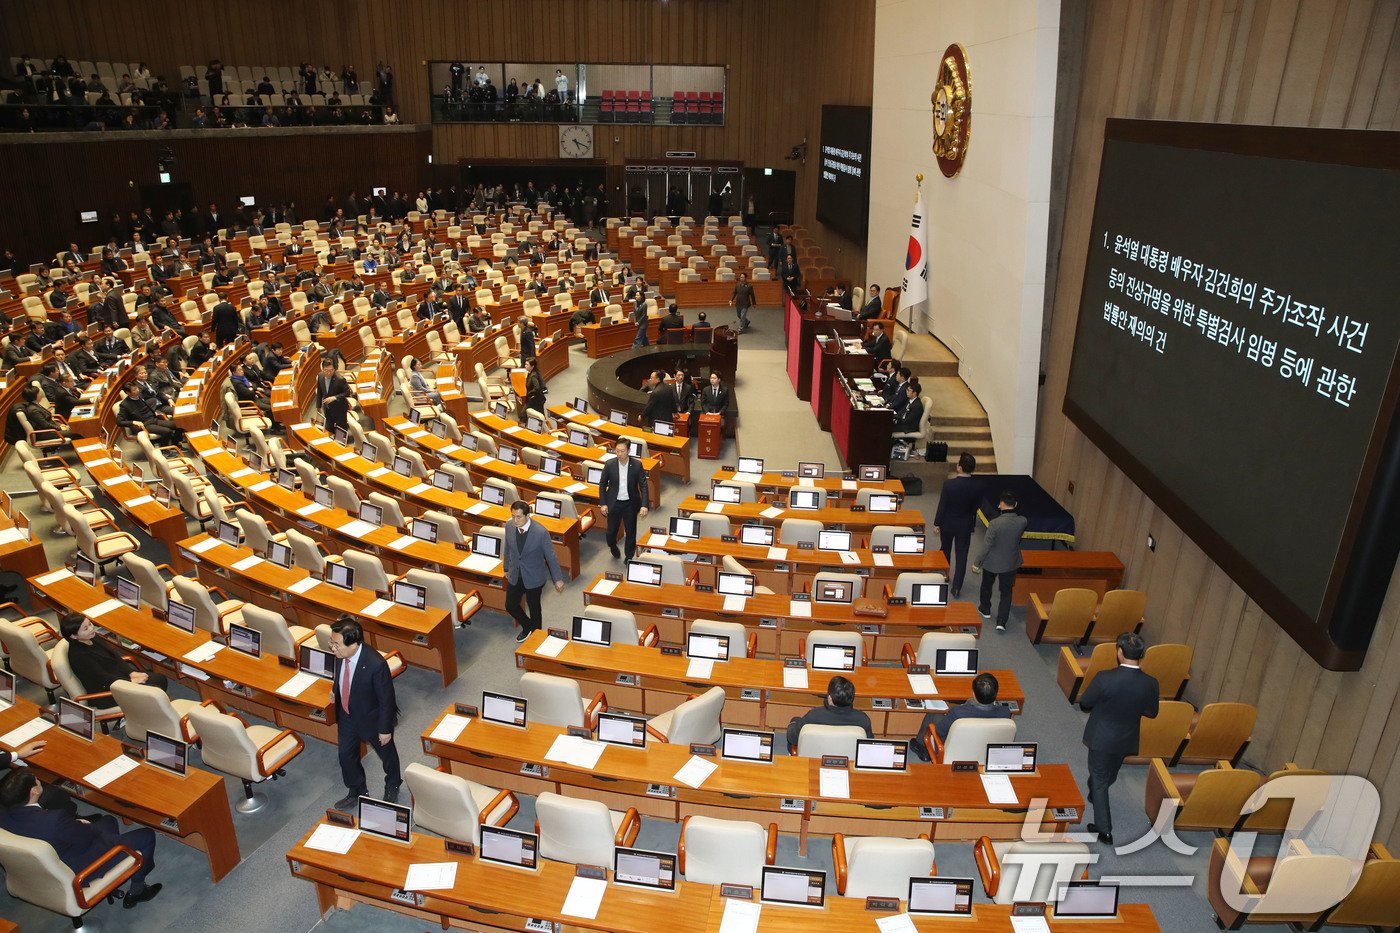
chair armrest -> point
(1161, 790)
(1070, 674)
(267, 746)
(628, 828)
(934, 745)
(987, 865)
(655, 733)
(680, 846)
(692, 579)
(104, 695)
(598, 705)
(1037, 618)
(753, 644)
(650, 637)
(889, 591)
(838, 858)
(80, 878)
(770, 851)
(186, 732)
(501, 797)
(906, 654)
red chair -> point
(692, 107)
(645, 104)
(717, 99)
(706, 107)
(605, 107)
(678, 107)
(634, 106)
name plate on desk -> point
(671, 650)
(702, 497)
(340, 818)
(918, 669)
(898, 601)
(595, 872)
(704, 588)
(729, 539)
(459, 848)
(857, 508)
(805, 546)
(965, 766)
(739, 892)
(463, 709)
(699, 748)
(1027, 909)
(836, 761)
(879, 549)
(580, 732)
(885, 904)
(613, 575)
(559, 633)
(800, 597)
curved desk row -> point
(677, 457)
(832, 517)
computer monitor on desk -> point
(180, 615)
(793, 887)
(167, 754)
(1011, 758)
(593, 475)
(230, 534)
(287, 479)
(486, 545)
(369, 512)
(804, 499)
(751, 465)
(323, 497)
(85, 569)
(617, 416)
(424, 530)
(1086, 900)
(493, 495)
(639, 571)
(504, 709)
(833, 540)
(811, 469)
(580, 405)
(509, 847)
(905, 543)
(881, 755)
(279, 554)
(871, 473)
(545, 507)
(730, 495)
(955, 662)
(832, 591)
(341, 575)
(760, 535)
(663, 428)
(315, 661)
(622, 730)
(129, 592)
(883, 502)
(747, 745)
(410, 594)
(76, 718)
(710, 647)
(580, 438)
(655, 871)
(833, 657)
(687, 528)
(929, 594)
(534, 424)
(7, 689)
(947, 897)
(508, 455)
(443, 480)
(386, 820)
(246, 640)
(369, 452)
(402, 465)
(734, 584)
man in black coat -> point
(363, 691)
(714, 399)
(623, 495)
(956, 516)
(333, 396)
(1116, 702)
(224, 321)
(136, 413)
(906, 421)
(878, 344)
(837, 709)
(661, 401)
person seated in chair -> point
(873, 306)
(96, 664)
(837, 709)
(419, 384)
(137, 414)
(673, 321)
(78, 843)
(983, 705)
(911, 416)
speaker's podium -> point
(711, 435)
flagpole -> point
(909, 325)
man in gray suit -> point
(529, 561)
(1000, 556)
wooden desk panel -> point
(19, 554)
(832, 517)
(133, 499)
(661, 684)
(197, 803)
(676, 460)
(1046, 572)
(603, 339)
(839, 487)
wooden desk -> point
(670, 607)
(827, 357)
(862, 435)
(1046, 572)
(839, 488)
(164, 646)
(753, 687)
(833, 517)
(605, 337)
(133, 499)
(193, 809)
(676, 460)
(487, 897)
(802, 328)
(785, 791)
(21, 551)
(709, 294)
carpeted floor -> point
(262, 895)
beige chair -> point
(814, 741)
(799, 531)
(392, 515)
(694, 721)
(883, 535)
(713, 851)
(155, 588)
(1120, 612)
(256, 533)
(209, 616)
(279, 637)
(24, 644)
(63, 673)
(834, 639)
(931, 642)
(1066, 620)
(34, 873)
(449, 529)
(369, 570)
(250, 753)
(149, 709)
(584, 832)
(1205, 801)
(968, 739)
(904, 583)
(306, 553)
(343, 495)
(558, 701)
(623, 626)
(100, 549)
(441, 595)
(742, 642)
(1014, 871)
(453, 807)
(1282, 891)
(1221, 730)
(568, 509)
(748, 492)
(730, 564)
(854, 580)
(711, 525)
(876, 866)
(672, 567)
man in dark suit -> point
(873, 306)
(114, 308)
(529, 561)
(78, 843)
(363, 691)
(714, 399)
(109, 347)
(1116, 702)
(427, 308)
(895, 396)
(956, 515)
(908, 418)
(136, 413)
(983, 705)
(1000, 558)
(661, 401)
(837, 709)
(224, 320)
(878, 345)
(457, 308)
(528, 333)
(623, 495)
(332, 396)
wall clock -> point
(575, 141)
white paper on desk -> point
(606, 457)
(735, 603)
(378, 472)
(850, 557)
(378, 607)
(328, 838)
(139, 500)
(694, 772)
(899, 923)
(551, 646)
(806, 482)
(771, 512)
(199, 547)
(740, 916)
(570, 412)
(356, 528)
(540, 477)
(777, 553)
(10, 535)
(795, 678)
(701, 668)
(478, 508)
(883, 560)
(596, 423)
(747, 477)
(1029, 925)
(604, 587)
(418, 489)
(572, 750)
(115, 480)
(248, 562)
(302, 585)
(97, 463)
(102, 608)
(402, 542)
(555, 444)
(186, 409)
(297, 683)
(483, 460)
(998, 788)
(112, 770)
(834, 782)
(575, 487)
(922, 685)
(847, 484)
(512, 429)
(54, 577)
(321, 440)
(584, 898)
(658, 540)
(246, 471)
(800, 610)
(714, 507)
(259, 487)
(416, 435)
(306, 511)
(451, 448)
(479, 563)
(20, 735)
(193, 672)
(449, 728)
(430, 876)
(203, 652)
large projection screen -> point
(1236, 356)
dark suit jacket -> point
(97, 666)
(714, 401)
(527, 343)
(1116, 702)
(661, 405)
(908, 418)
(338, 388)
(78, 844)
(636, 482)
(879, 347)
(373, 708)
(224, 320)
(957, 505)
(829, 716)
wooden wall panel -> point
(784, 58)
(1305, 62)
